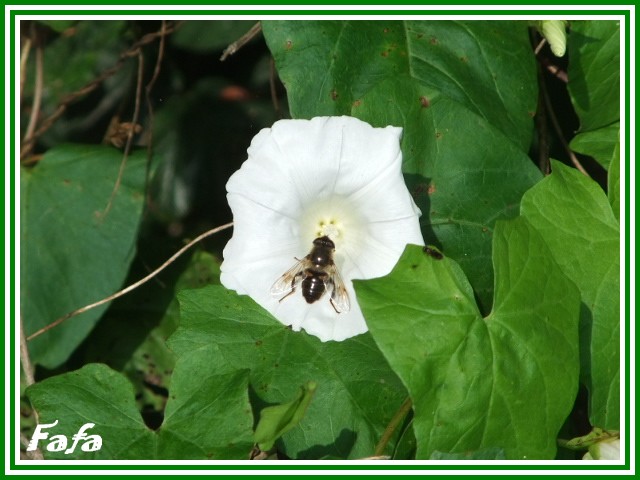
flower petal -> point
(303, 179)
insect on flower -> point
(316, 274)
(330, 188)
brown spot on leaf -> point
(334, 95)
(357, 103)
(432, 252)
(433, 40)
(431, 190)
(438, 135)
(288, 44)
(425, 102)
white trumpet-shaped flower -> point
(329, 176)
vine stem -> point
(133, 286)
(391, 427)
(558, 129)
(24, 56)
(27, 145)
(25, 360)
(241, 42)
(37, 96)
(127, 148)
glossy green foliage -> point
(476, 348)
(357, 392)
(101, 396)
(594, 85)
(504, 381)
(276, 420)
(465, 94)
(575, 217)
(77, 240)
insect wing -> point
(339, 294)
(289, 279)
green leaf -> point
(72, 252)
(575, 218)
(485, 454)
(276, 420)
(328, 65)
(151, 363)
(601, 144)
(406, 444)
(357, 391)
(208, 415)
(594, 86)
(505, 381)
(594, 72)
(614, 182)
(94, 394)
(454, 86)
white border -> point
(432, 467)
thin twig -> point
(27, 368)
(558, 129)
(24, 57)
(542, 43)
(391, 427)
(241, 42)
(133, 286)
(551, 68)
(131, 131)
(554, 70)
(156, 70)
(27, 146)
(25, 360)
(33, 455)
(147, 92)
(37, 96)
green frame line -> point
(349, 465)
(276, 13)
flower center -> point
(334, 217)
(328, 227)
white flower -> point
(605, 450)
(333, 176)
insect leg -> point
(294, 280)
(334, 305)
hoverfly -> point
(316, 274)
